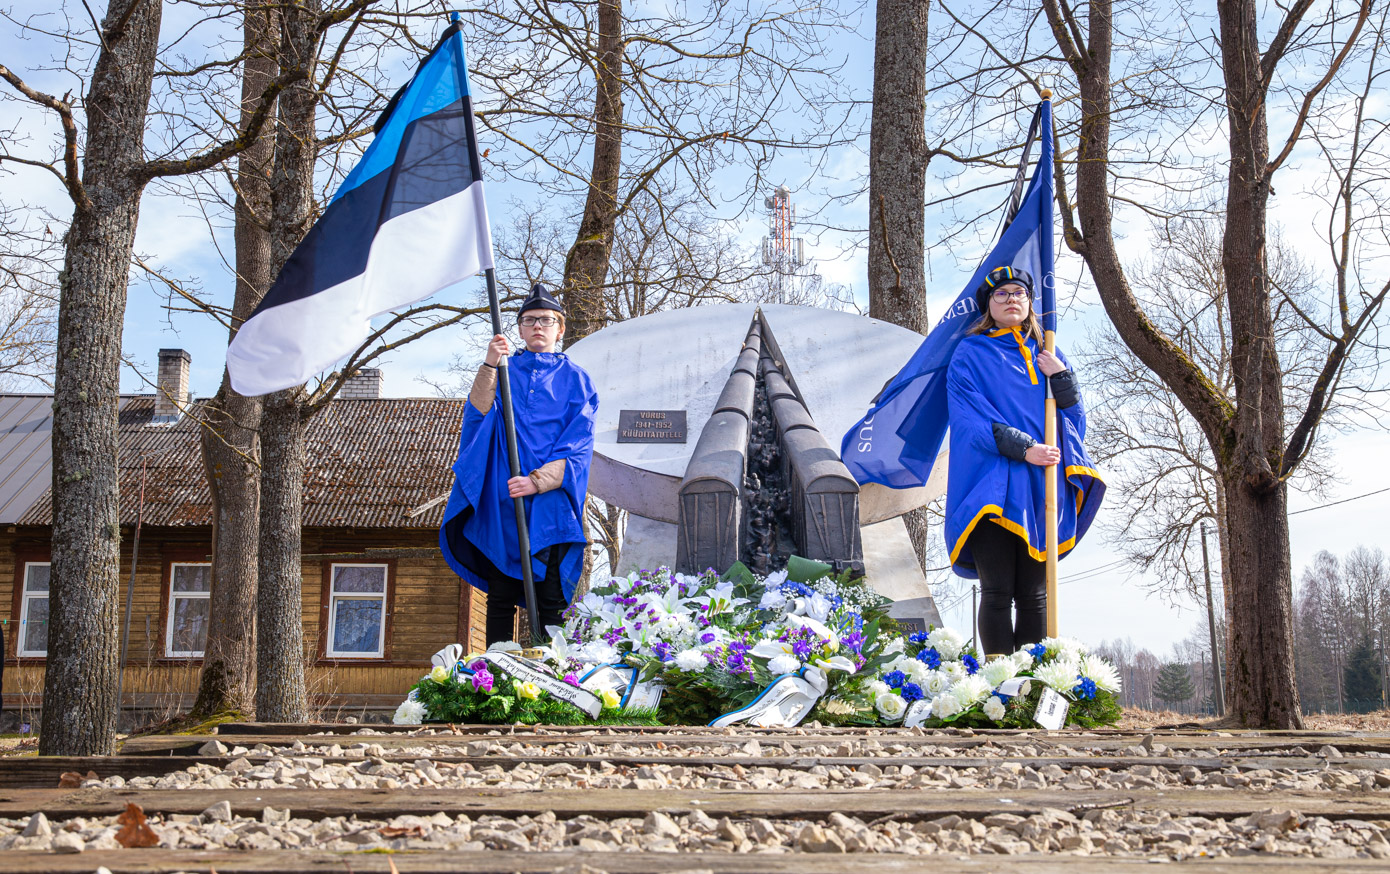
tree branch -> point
(72, 175)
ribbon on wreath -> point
(620, 678)
(560, 690)
(784, 703)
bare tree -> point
(104, 180)
(30, 254)
(230, 439)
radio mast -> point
(782, 252)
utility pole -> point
(1220, 692)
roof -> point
(370, 463)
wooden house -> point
(378, 598)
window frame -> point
(329, 597)
(169, 612)
(23, 597)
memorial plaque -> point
(651, 426)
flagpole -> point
(504, 384)
(1050, 489)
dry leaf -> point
(135, 830)
(391, 831)
(73, 780)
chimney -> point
(365, 384)
(173, 385)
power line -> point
(1343, 501)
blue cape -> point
(555, 404)
(993, 378)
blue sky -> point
(173, 235)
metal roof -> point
(369, 464)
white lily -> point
(770, 649)
(835, 663)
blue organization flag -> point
(409, 220)
(897, 442)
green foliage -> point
(451, 701)
(1173, 684)
(1361, 675)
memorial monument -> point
(717, 430)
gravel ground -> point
(1102, 832)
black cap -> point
(539, 299)
(1001, 276)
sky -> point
(1098, 600)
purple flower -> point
(802, 649)
(707, 637)
(854, 641)
(482, 681)
(971, 665)
(478, 666)
(662, 651)
(571, 679)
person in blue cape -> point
(995, 504)
(555, 404)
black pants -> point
(505, 594)
(1009, 578)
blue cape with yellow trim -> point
(993, 378)
(555, 404)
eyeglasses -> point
(1003, 295)
(543, 321)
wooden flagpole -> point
(523, 536)
(1050, 492)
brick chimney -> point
(173, 385)
(365, 384)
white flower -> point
(945, 705)
(772, 600)
(410, 713)
(893, 647)
(1065, 648)
(916, 671)
(890, 706)
(836, 663)
(878, 687)
(775, 579)
(596, 652)
(690, 660)
(784, 663)
(1023, 659)
(1100, 672)
(955, 671)
(946, 642)
(994, 708)
(935, 683)
(817, 607)
(770, 649)
(1060, 675)
(972, 690)
(999, 670)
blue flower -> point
(1037, 651)
(931, 658)
(1086, 688)
(911, 692)
(971, 665)
(919, 637)
(895, 679)
(662, 651)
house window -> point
(357, 611)
(189, 585)
(33, 611)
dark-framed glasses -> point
(1004, 295)
(543, 321)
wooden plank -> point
(912, 804)
(157, 861)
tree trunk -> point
(80, 708)
(280, 691)
(229, 440)
(280, 687)
(898, 158)
(1264, 691)
(586, 266)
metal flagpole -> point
(1050, 438)
(504, 384)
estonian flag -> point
(897, 442)
(409, 220)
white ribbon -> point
(559, 689)
(784, 703)
(623, 680)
